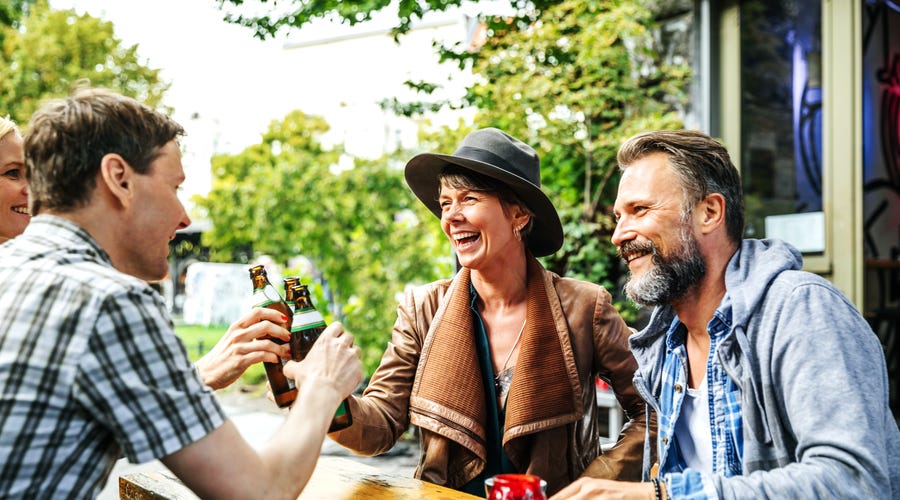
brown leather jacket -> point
(430, 376)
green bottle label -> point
(265, 296)
(305, 319)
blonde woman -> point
(13, 191)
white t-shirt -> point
(692, 430)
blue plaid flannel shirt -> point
(724, 417)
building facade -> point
(806, 96)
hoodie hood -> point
(750, 272)
(748, 275)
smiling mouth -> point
(631, 251)
(465, 239)
(628, 257)
(21, 210)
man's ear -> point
(116, 175)
(711, 213)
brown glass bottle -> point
(308, 324)
(265, 295)
(289, 284)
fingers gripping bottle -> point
(307, 326)
(265, 295)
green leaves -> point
(572, 78)
(361, 227)
(266, 18)
(55, 51)
(575, 83)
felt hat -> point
(496, 154)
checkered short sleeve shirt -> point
(90, 368)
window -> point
(781, 121)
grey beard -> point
(671, 277)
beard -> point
(671, 276)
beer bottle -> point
(289, 284)
(265, 295)
(307, 326)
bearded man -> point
(767, 382)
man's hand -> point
(245, 344)
(587, 488)
(332, 362)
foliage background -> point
(46, 53)
(572, 78)
(360, 227)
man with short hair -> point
(766, 380)
(90, 367)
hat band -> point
(486, 156)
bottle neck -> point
(259, 281)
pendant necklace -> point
(499, 378)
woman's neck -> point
(504, 288)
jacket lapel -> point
(545, 386)
(449, 382)
(545, 390)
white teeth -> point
(630, 257)
(21, 210)
(460, 236)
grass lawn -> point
(200, 339)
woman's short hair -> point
(457, 177)
(7, 126)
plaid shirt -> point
(724, 408)
(89, 368)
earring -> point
(518, 232)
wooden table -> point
(334, 478)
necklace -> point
(500, 379)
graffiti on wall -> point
(881, 127)
(881, 178)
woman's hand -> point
(244, 344)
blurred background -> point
(301, 115)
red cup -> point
(516, 487)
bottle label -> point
(280, 385)
(263, 297)
(341, 410)
(308, 318)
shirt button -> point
(665, 440)
(677, 387)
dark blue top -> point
(497, 461)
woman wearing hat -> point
(496, 366)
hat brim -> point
(546, 236)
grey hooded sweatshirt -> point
(814, 388)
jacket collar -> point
(545, 390)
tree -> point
(11, 11)
(285, 197)
(577, 82)
(572, 78)
(53, 51)
(266, 20)
(574, 84)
